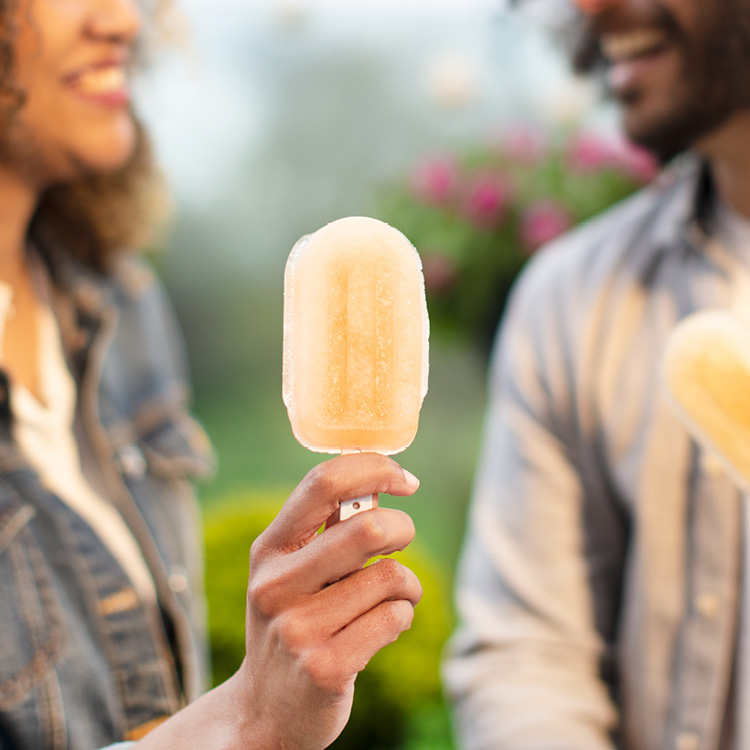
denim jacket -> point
(82, 663)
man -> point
(601, 582)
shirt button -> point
(707, 605)
(687, 741)
(131, 460)
(178, 582)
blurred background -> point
(454, 120)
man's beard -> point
(715, 77)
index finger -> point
(320, 493)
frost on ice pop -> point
(355, 338)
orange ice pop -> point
(355, 339)
(706, 370)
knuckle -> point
(290, 634)
(321, 480)
(324, 672)
(258, 550)
(262, 596)
(266, 546)
(407, 583)
(390, 465)
(397, 616)
(270, 589)
(392, 573)
(315, 668)
(371, 530)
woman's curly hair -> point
(100, 215)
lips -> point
(101, 80)
(628, 45)
(106, 81)
(635, 57)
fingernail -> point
(411, 480)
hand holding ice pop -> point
(316, 615)
(355, 340)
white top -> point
(44, 432)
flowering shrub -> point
(477, 216)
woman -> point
(101, 636)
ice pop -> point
(355, 338)
(706, 368)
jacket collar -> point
(89, 291)
(81, 297)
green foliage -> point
(232, 523)
(477, 215)
(398, 699)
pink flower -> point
(542, 221)
(434, 181)
(487, 200)
(589, 153)
(525, 144)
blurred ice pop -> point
(355, 339)
(706, 368)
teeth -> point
(626, 45)
(102, 80)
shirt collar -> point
(688, 192)
(694, 199)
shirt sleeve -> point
(523, 670)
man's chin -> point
(666, 138)
(678, 128)
(662, 148)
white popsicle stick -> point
(349, 508)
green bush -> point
(398, 697)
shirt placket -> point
(705, 649)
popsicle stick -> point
(350, 508)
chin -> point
(109, 162)
(665, 137)
(111, 150)
(672, 126)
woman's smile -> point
(104, 82)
